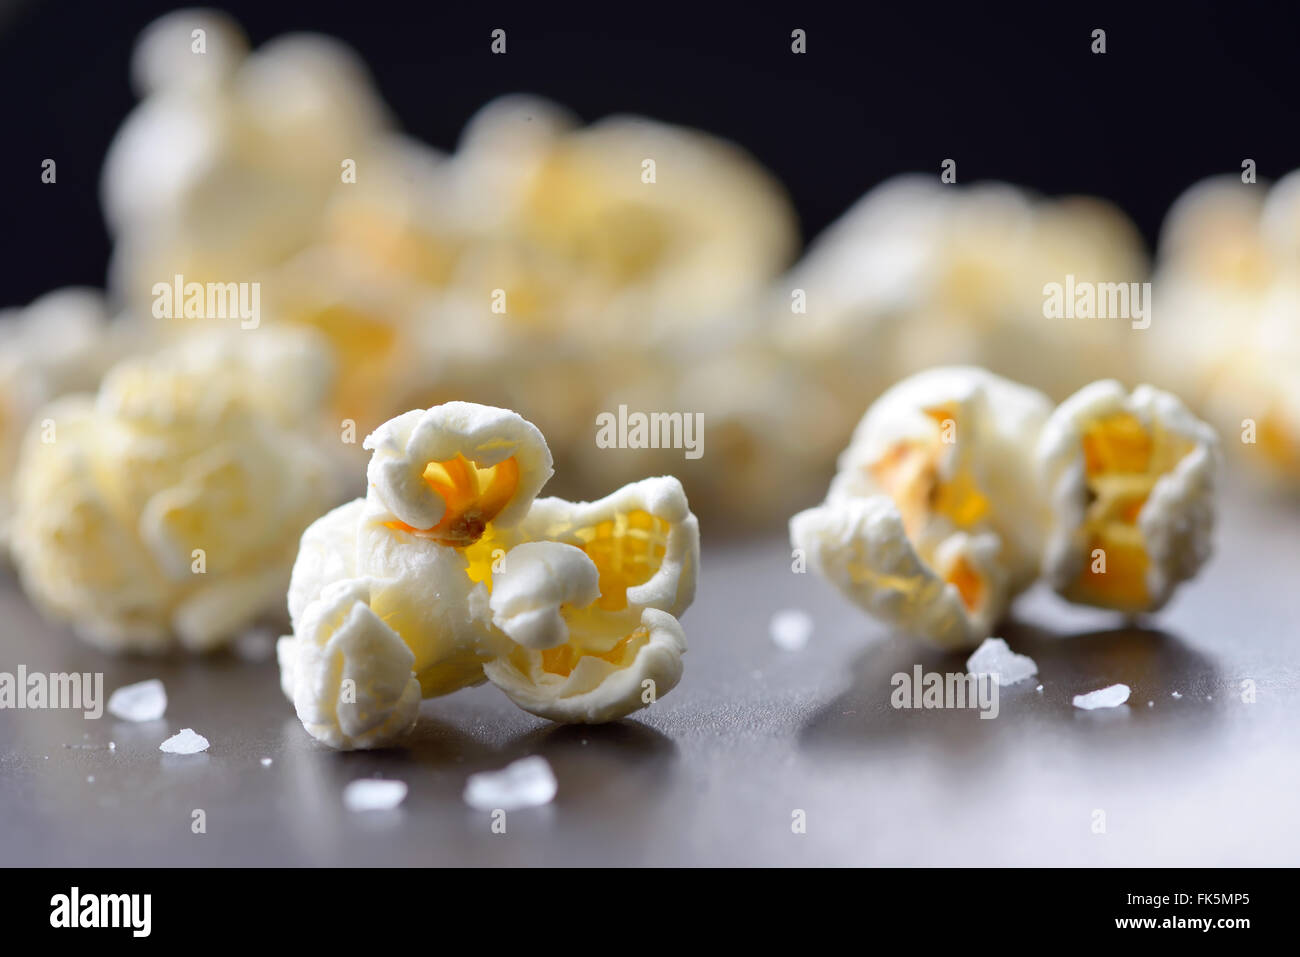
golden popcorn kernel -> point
(562, 660)
(959, 500)
(969, 585)
(627, 551)
(481, 556)
(1123, 583)
(473, 496)
(1122, 461)
(907, 475)
(1116, 443)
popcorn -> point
(932, 522)
(1228, 283)
(166, 508)
(62, 342)
(451, 572)
(1131, 482)
(448, 472)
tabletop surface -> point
(718, 771)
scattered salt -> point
(90, 779)
(186, 741)
(791, 629)
(1175, 695)
(1111, 697)
(1039, 689)
(143, 701)
(266, 762)
(528, 782)
(112, 745)
(373, 794)
(995, 658)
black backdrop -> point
(1011, 93)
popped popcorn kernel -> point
(1131, 481)
(168, 507)
(568, 607)
(449, 472)
(932, 521)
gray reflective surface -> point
(715, 772)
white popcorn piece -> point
(446, 473)
(643, 543)
(933, 522)
(143, 701)
(1109, 697)
(353, 685)
(569, 608)
(528, 782)
(60, 343)
(994, 657)
(185, 741)
(373, 794)
(536, 580)
(168, 508)
(1131, 481)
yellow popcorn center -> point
(1123, 460)
(473, 496)
(627, 550)
(562, 660)
(969, 585)
(1274, 438)
(481, 555)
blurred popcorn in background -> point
(919, 274)
(567, 271)
(1228, 288)
(60, 343)
(169, 507)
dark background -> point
(1010, 93)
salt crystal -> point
(112, 745)
(373, 794)
(996, 659)
(90, 779)
(1111, 697)
(1039, 689)
(266, 762)
(791, 629)
(528, 782)
(144, 701)
(186, 741)
(1175, 695)
(1151, 704)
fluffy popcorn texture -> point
(459, 441)
(60, 343)
(1131, 481)
(919, 273)
(932, 522)
(353, 685)
(198, 447)
(1229, 293)
(568, 607)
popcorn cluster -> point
(451, 572)
(166, 508)
(961, 488)
(58, 344)
(1228, 280)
